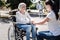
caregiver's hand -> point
(40, 23)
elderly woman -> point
(23, 19)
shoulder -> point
(51, 15)
(17, 12)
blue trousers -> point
(28, 29)
(47, 35)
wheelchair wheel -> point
(17, 37)
(11, 33)
(17, 34)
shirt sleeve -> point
(28, 15)
(17, 17)
(50, 15)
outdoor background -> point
(7, 5)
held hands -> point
(39, 23)
(35, 23)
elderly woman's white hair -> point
(20, 5)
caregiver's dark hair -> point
(53, 6)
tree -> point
(1, 3)
(14, 3)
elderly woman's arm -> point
(30, 18)
(28, 15)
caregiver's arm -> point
(43, 21)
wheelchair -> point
(19, 33)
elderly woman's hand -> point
(34, 23)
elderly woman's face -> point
(23, 8)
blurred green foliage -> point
(32, 6)
(1, 3)
(14, 3)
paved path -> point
(4, 30)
